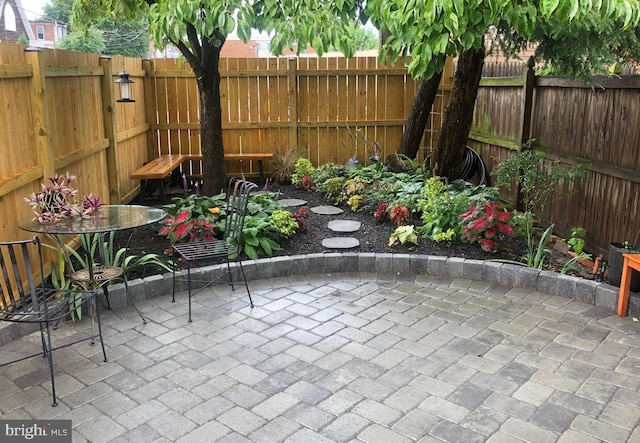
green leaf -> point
(548, 7)
(251, 252)
(266, 246)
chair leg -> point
(44, 343)
(246, 285)
(233, 288)
(173, 296)
(50, 360)
(189, 289)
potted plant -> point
(616, 261)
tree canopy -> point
(427, 30)
(106, 36)
(579, 49)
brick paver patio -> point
(369, 357)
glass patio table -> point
(107, 218)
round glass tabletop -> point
(107, 218)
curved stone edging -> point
(587, 291)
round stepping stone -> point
(344, 225)
(292, 202)
(327, 210)
(340, 243)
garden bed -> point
(373, 237)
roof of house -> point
(20, 15)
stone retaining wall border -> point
(386, 266)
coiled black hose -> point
(473, 165)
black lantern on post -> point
(125, 89)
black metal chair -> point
(228, 248)
(25, 300)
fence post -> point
(41, 118)
(293, 102)
(149, 105)
(527, 104)
(110, 128)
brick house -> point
(46, 34)
(13, 22)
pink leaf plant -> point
(59, 201)
(484, 222)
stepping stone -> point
(340, 243)
(344, 225)
(292, 202)
(327, 210)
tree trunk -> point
(448, 157)
(418, 115)
(213, 168)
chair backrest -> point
(20, 262)
(237, 201)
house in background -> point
(47, 33)
(13, 22)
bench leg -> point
(261, 171)
(163, 197)
(160, 183)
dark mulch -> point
(373, 236)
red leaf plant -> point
(300, 215)
(182, 228)
(308, 184)
(483, 222)
(400, 215)
(381, 214)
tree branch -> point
(194, 41)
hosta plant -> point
(484, 222)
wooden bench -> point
(259, 157)
(159, 169)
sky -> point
(33, 8)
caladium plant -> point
(484, 222)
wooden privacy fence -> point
(278, 104)
(595, 125)
(59, 113)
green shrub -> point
(303, 168)
(327, 171)
(284, 222)
(332, 189)
(442, 204)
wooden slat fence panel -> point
(324, 96)
(20, 169)
(572, 123)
